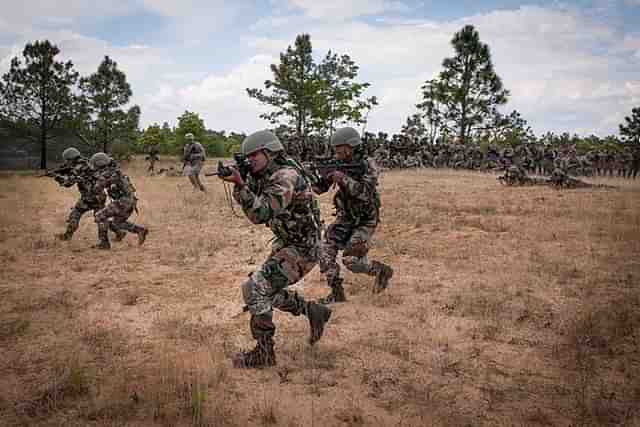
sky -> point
(570, 66)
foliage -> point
(39, 94)
(630, 130)
(464, 98)
(308, 97)
(101, 119)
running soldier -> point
(80, 174)
(357, 205)
(193, 158)
(123, 200)
(152, 158)
(276, 193)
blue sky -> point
(571, 66)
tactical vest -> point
(299, 224)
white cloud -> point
(560, 65)
(344, 9)
(220, 99)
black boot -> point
(261, 356)
(262, 330)
(103, 237)
(119, 234)
(318, 315)
(336, 294)
(142, 235)
(384, 273)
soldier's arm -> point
(362, 188)
(103, 181)
(274, 199)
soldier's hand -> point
(234, 177)
(336, 177)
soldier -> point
(515, 175)
(560, 179)
(193, 158)
(357, 205)
(123, 200)
(152, 158)
(276, 193)
(90, 200)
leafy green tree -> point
(190, 122)
(468, 91)
(291, 92)
(339, 98)
(630, 130)
(307, 97)
(432, 111)
(39, 94)
(151, 136)
(103, 119)
(414, 129)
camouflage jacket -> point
(194, 151)
(282, 199)
(83, 176)
(117, 185)
(357, 200)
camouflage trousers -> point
(81, 207)
(115, 216)
(266, 288)
(354, 241)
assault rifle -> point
(241, 164)
(324, 167)
(60, 173)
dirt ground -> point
(509, 306)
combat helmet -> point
(189, 136)
(70, 154)
(261, 140)
(99, 160)
(346, 136)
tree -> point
(414, 130)
(630, 131)
(105, 92)
(431, 108)
(468, 91)
(292, 88)
(307, 97)
(338, 98)
(39, 94)
(190, 122)
(151, 136)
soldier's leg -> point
(355, 259)
(102, 218)
(121, 221)
(73, 220)
(335, 238)
(199, 183)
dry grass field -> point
(509, 307)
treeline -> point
(307, 99)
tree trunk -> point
(43, 146)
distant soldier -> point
(109, 177)
(193, 158)
(357, 204)
(517, 176)
(80, 174)
(152, 158)
(560, 179)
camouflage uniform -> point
(124, 202)
(281, 198)
(357, 205)
(82, 176)
(193, 158)
(152, 158)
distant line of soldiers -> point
(534, 158)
